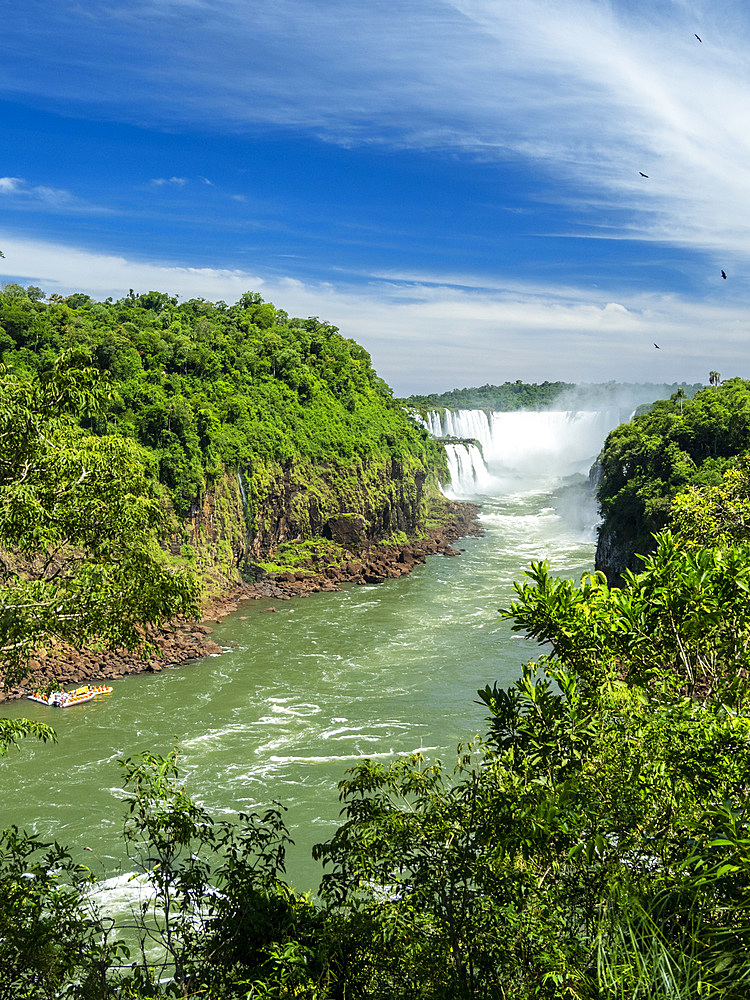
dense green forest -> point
(509, 396)
(205, 385)
(82, 526)
(538, 396)
(679, 442)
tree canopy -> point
(677, 444)
(204, 386)
(80, 524)
(508, 396)
(520, 395)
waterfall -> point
(521, 446)
(243, 493)
(467, 469)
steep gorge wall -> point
(615, 555)
(243, 519)
(353, 506)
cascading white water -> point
(520, 445)
(467, 468)
(243, 492)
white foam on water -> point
(299, 710)
(334, 758)
(214, 736)
(355, 732)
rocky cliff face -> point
(355, 506)
(217, 534)
(614, 555)
(243, 519)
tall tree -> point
(80, 524)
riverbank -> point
(187, 640)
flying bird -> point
(642, 173)
(698, 37)
(724, 274)
(657, 347)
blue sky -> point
(456, 185)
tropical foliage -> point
(204, 386)
(715, 515)
(682, 622)
(80, 524)
(508, 396)
(679, 443)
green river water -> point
(300, 695)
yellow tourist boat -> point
(65, 699)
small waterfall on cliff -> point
(243, 492)
(246, 515)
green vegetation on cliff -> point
(290, 404)
(645, 463)
(509, 396)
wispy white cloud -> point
(65, 269)
(429, 336)
(171, 181)
(54, 199)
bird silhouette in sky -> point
(698, 37)
(724, 274)
(657, 347)
(642, 173)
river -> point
(301, 694)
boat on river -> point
(65, 699)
